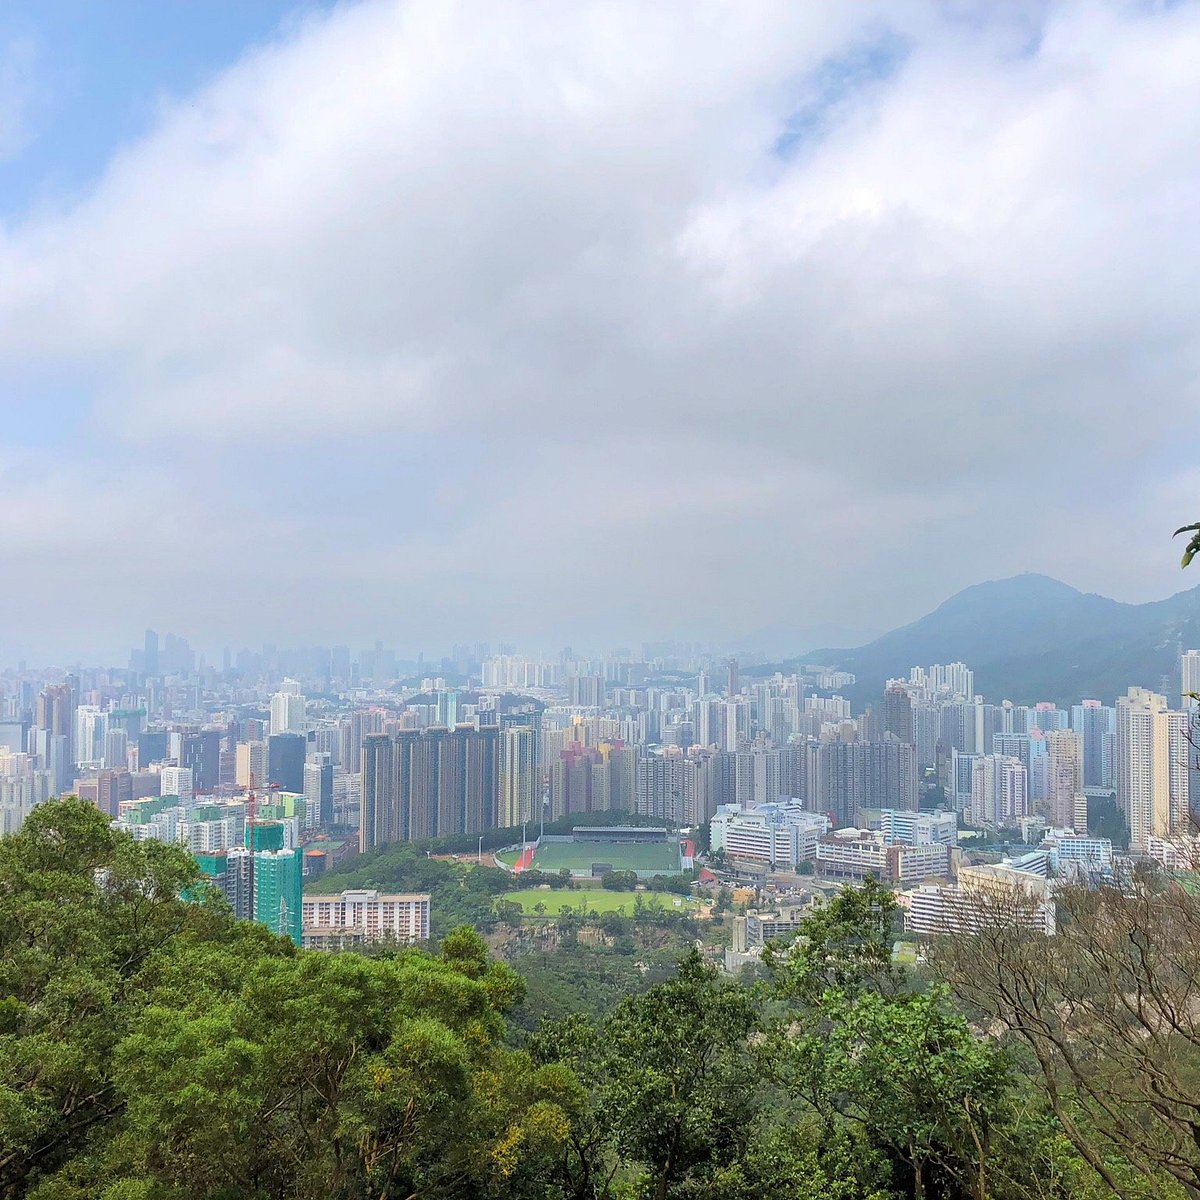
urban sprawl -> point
(279, 766)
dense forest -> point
(153, 1048)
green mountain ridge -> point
(1031, 638)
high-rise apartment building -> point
(55, 714)
(586, 691)
(177, 781)
(251, 764)
(999, 789)
(660, 788)
(286, 753)
(898, 713)
(1096, 724)
(1189, 678)
(318, 792)
(856, 775)
(262, 882)
(1065, 803)
(419, 784)
(1151, 767)
(288, 709)
(202, 752)
(520, 776)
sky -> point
(764, 325)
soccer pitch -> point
(597, 900)
(660, 858)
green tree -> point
(911, 1072)
(844, 946)
(672, 1077)
(85, 914)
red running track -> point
(525, 861)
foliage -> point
(1106, 1010)
(157, 1049)
(1193, 547)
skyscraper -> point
(999, 789)
(318, 792)
(1064, 801)
(520, 785)
(251, 764)
(381, 819)
(898, 713)
(202, 752)
(1189, 677)
(285, 761)
(432, 783)
(1095, 722)
(1151, 767)
(288, 708)
(856, 775)
(150, 659)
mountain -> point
(1033, 638)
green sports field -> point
(599, 900)
(656, 858)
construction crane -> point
(251, 821)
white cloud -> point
(524, 237)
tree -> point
(620, 881)
(909, 1069)
(1107, 1010)
(156, 1048)
(672, 1079)
(85, 916)
(843, 946)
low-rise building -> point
(1071, 853)
(782, 834)
(985, 892)
(364, 915)
(857, 854)
(1180, 853)
(911, 828)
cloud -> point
(600, 290)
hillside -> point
(1032, 638)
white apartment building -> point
(1070, 851)
(288, 709)
(1181, 853)
(999, 789)
(918, 828)
(364, 915)
(1152, 767)
(781, 833)
(855, 854)
(942, 908)
(177, 781)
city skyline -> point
(709, 324)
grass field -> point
(661, 858)
(599, 900)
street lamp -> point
(479, 858)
